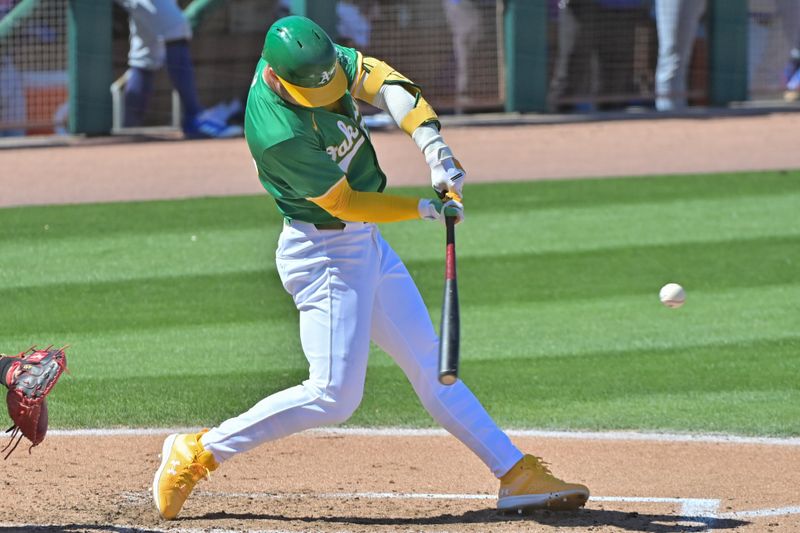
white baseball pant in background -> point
(350, 287)
(153, 23)
(677, 22)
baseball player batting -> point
(314, 156)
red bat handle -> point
(450, 327)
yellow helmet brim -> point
(318, 96)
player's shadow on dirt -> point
(584, 518)
(76, 528)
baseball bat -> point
(451, 321)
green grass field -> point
(176, 316)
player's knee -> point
(338, 404)
(342, 406)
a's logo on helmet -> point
(327, 75)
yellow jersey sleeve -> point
(344, 203)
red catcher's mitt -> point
(29, 380)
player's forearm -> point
(431, 144)
(343, 202)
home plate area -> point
(419, 480)
(364, 511)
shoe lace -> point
(191, 474)
(539, 464)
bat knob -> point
(447, 379)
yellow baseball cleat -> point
(530, 485)
(184, 462)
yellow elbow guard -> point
(421, 114)
(377, 73)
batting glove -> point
(448, 175)
(435, 209)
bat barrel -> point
(450, 334)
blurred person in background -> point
(573, 65)
(353, 29)
(12, 91)
(159, 36)
(677, 22)
(773, 33)
(354, 22)
(792, 76)
(464, 19)
(595, 53)
(615, 43)
(790, 10)
(12, 97)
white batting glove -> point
(435, 209)
(448, 175)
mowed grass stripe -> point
(742, 388)
(90, 258)
(198, 249)
(145, 303)
(710, 388)
(131, 218)
(236, 296)
(196, 397)
(633, 270)
(178, 351)
(627, 191)
(195, 215)
(629, 324)
(223, 257)
(496, 231)
(710, 318)
(137, 256)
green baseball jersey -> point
(302, 152)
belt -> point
(337, 225)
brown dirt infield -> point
(322, 482)
(103, 170)
(343, 482)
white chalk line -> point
(690, 507)
(780, 511)
(404, 432)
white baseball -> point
(672, 295)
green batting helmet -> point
(304, 58)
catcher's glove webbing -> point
(29, 380)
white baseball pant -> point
(350, 287)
